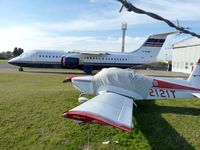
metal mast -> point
(124, 27)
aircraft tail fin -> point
(194, 77)
(152, 46)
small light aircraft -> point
(117, 89)
(92, 60)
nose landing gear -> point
(21, 69)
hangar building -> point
(185, 55)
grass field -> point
(3, 60)
(31, 105)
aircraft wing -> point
(107, 108)
(94, 53)
(196, 95)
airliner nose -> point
(13, 61)
(10, 61)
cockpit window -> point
(25, 55)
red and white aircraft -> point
(117, 89)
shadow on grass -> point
(51, 72)
(159, 133)
(56, 72)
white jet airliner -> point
(89, 61)
(117, 89)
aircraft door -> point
(34, 57)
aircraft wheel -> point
(21, 69)
(87, 69)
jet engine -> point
(69, 61)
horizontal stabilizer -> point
(106, 108)
(91, 52)
(95, 53)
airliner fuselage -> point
(92, 60)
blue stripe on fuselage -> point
(58, 65)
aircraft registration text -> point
(162, 93)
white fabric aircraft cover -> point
(109, 107)
(106, 108)
(124, 78)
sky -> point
(90, 24)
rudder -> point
(194, 77)
(152, 46)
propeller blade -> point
(68, 79)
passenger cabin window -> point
(103, 58)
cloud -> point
(109, 18)
(30, 38)
(53, 35)
(92, 1)
(93, 23)
(173, 9)
(16, 37)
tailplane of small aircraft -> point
(194, 77)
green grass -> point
(31, 105)
(3, 60)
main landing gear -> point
(21, 69)
(88, 69)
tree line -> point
(8, 54)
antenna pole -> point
(124, 27)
